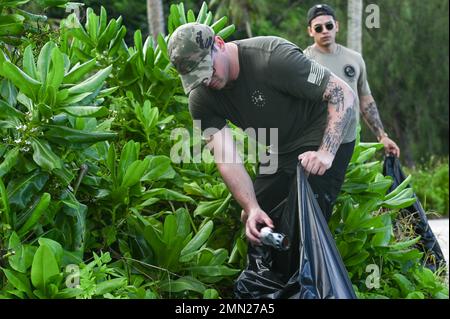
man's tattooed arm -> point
(341, 111)
(371, 116)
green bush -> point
(430, 182)
(91, 206)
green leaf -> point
(182, 13)
(356, 259)
(159, 169)
(219, 24)
(85, 111)
(182, 284)
(213, 271)
(212, 208)
(366, 155)
(9, 161)
(69, 293)
(130, 153)
(402, 200)
(103, 20)
(38, 211)
(405, 285)
(44, 60)
(43, 268)
(91, 84)
(170, 230)
(77, 224)
(202, 13)
(7, 111)
(29, 65)
(56, 74)
(382, 238)
(21, 190)
(11, 24)
(19, 281)
(110, 285)
(66, 135)
(174, 17)
(135, 172)
(26, 84)
(167, 194)
(163, 46)
(79, 71)
(92, 24)
(399, 188)
(211, 294)
(153, 238)
(405, 244)
(199, 239)
(55, 247)
(415, 295)
(190, 16)
(226, 32)
(43, 155)
(23, 254)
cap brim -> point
(201, 73)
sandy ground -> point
(440, 230)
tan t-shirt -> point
(349, 66)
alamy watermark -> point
(189, 149)
(73, 276)
(373, 16)
(373, 280)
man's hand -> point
(252, 220)
(316, 163)
(390, 147)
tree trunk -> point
(354, 33)
(155, 18)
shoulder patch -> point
(316, 73)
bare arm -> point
(341, 111)
(369, 112)
(238, 181)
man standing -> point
(263, 83)
(346, 64)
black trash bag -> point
(433, 256)
(311, 269)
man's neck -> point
(233, 55)
(326, 49)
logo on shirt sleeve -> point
(316, 73)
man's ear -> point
(220, 43)
(337, 26)
(310, 31)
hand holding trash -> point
(253, 222)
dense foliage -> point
(91, 204)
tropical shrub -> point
(92, 204)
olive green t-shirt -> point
(277, 87)
(348, 65)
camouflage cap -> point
(190, 52)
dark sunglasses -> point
(319, 28)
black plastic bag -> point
(311, 269)
(433, 256)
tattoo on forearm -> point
(334, 94)
(372, 117)
(339, 118)
(334, 134)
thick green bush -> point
(91, 204)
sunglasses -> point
(319, 28)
